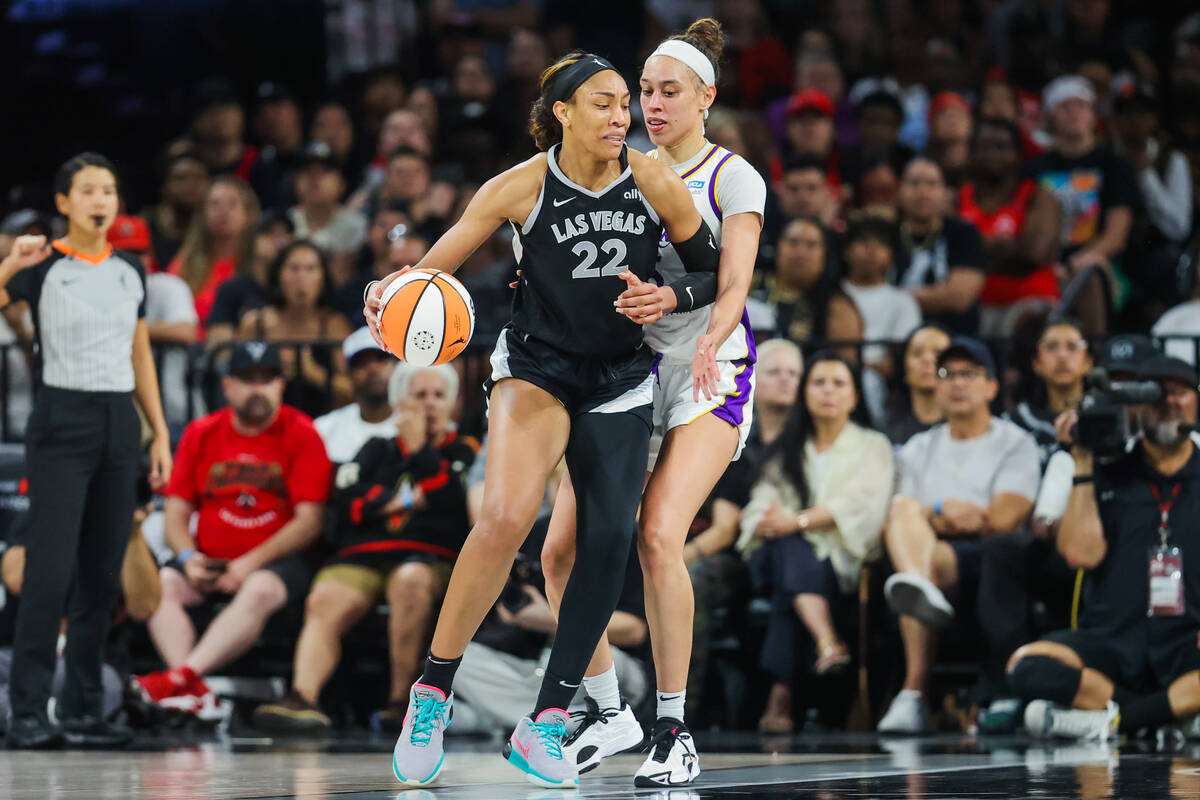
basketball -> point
(427, 317)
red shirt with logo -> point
(246, 487)
(1007, 220)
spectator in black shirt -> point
(402, 517)
(879, 117)
(803, 299)
(1096, 189)
(248, 290)
(280, 131)
(941, 260)
(913, 406)
(1130, 524)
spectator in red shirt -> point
(1019, 222)
(257, 477)
(219, 243)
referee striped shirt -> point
(85, 310)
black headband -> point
(564, 84)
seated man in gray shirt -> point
(972, 476)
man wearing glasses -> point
(967, 479)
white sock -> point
(603, 689)
(671, 704)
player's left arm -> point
(742, 197)
(693, 241)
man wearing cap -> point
(1133, 526)
(810, 132)
(257, 476)
(320, 215)
(1096, 188)
(347, 429)
(972, 477)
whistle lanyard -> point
(1164, 510)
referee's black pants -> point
(83, 455)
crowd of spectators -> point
(965, 199)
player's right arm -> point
(510, 195)
(26, 251)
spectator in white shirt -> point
(889, 313)
(320, 216)
(347, 429)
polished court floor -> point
(810, 767)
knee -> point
(174, 586)
(500, 531)
(904, 509)
(264, 591)
(328, 607)
(412, 584)
(558, 556)
(658, 548)
(1037, 676)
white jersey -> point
(722, 184)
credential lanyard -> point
(1164, 510)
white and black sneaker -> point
(673, 760)
(602, 733)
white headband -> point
(690, 55)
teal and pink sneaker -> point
(419, 752)
(536, 748)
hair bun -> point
(706, 35)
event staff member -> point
(1132, 523)
(89, 309)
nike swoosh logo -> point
(563, 203)
(524, 748)
(68, 281)
(693, 299)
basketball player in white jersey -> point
(702, 409)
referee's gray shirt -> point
(85, 310)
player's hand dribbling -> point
(705, 372)
(26, 251)
(643, 302)
(373, 304)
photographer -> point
(1133, 661)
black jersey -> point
(570, 251)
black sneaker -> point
(93, 732)
(34, 733)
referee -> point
(82, 447)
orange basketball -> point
(427, 317)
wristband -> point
(694, 290)
(184, 555)
(1079, 480)
(937, 507)
(367, 290)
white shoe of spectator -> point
(1044, 719)
(906, 714)
(916, 596)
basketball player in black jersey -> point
(571, 375)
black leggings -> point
(606, 456)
